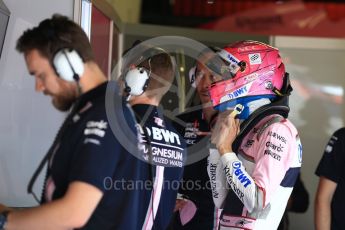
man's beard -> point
(64, 103)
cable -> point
(75, 75)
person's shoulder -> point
(108, 99)
(106, 93)
(279, 124)
(190, 114)
(339, 132)
(170, 122)
(111, 109)
(172, 125)
(290, 125)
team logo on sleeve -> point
(213, 179)
(241, 176)
(329, 147)
(96, 128)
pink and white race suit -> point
(253, 185)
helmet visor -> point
(223, 69)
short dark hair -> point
(162, 73)
(54, 34)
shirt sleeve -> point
(217, 178)
(332, 160)
(278, 147)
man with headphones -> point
(193, 124)
(86, 158)
(147, 77)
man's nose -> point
(39, 87)
(207, 82)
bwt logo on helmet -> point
(233, 59)
(240, 174)
(236, 93)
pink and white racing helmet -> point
(249, 71)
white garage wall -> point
(317, 72)
(28, 121)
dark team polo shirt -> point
(167, 160)
(196, 184)
(332, 166)
(87, 150)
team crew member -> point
(85, 160)
(329, 201)
(147, 78)
(259, 159)
(194, 127)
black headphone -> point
(68, 64)
(191, 75)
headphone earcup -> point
(192, 76)
(68, 64)
(136, 81)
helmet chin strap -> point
(237, 110)
(243, 110)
